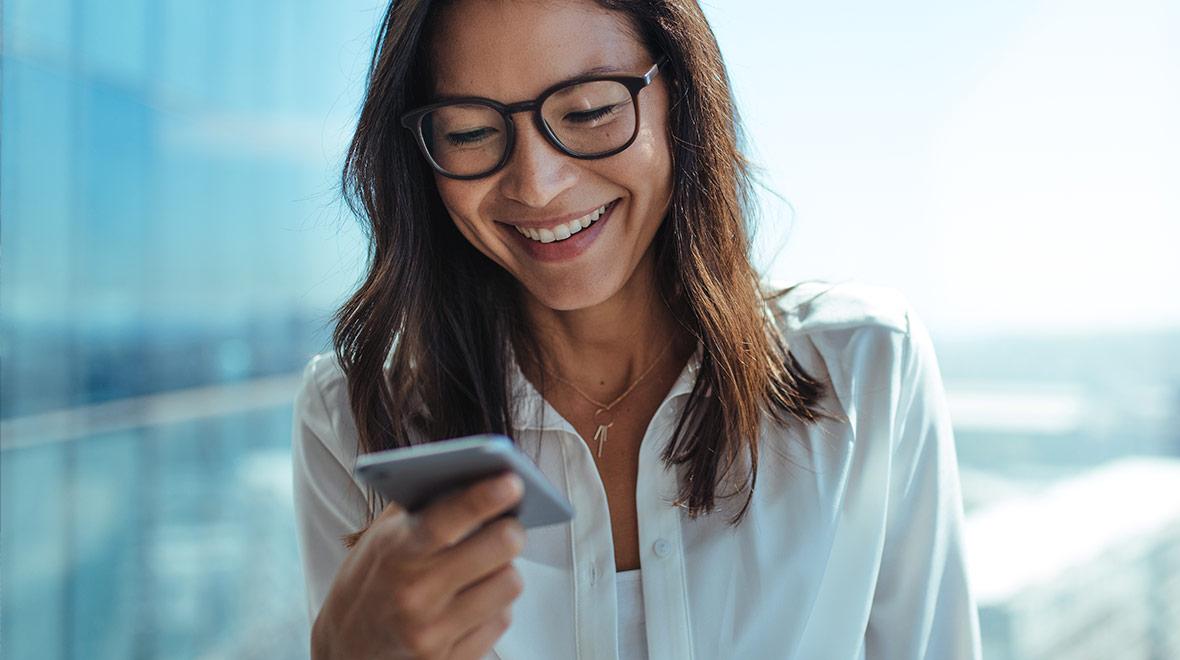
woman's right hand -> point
(438, 583)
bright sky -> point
(1010, 165)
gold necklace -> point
(602, 416)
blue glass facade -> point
(165, 542)
(163, 164)
(167, 197)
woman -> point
(559, 253)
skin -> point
(435, 584)
(587, 310)
(598, 317)
(439, 583)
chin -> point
(570, 296)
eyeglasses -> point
(588, 118)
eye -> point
(467, 138)
(590, 116)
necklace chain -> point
(605, 408)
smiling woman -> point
(543, 190)
(557, 213)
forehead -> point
(511, 50)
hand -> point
(435, 584)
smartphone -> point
(414, 476)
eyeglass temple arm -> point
(654, 70)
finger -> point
(486, 597)
(475, 644)
(479, 555)
(391, 510)
(454, 517)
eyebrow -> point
(598, 70)
(593, 71)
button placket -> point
(669, 630)
(596, 615)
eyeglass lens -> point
(588, 119)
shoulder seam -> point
(819, 306)
(319, 392)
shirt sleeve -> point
(328, 503)
(923, 606)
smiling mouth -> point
(565, 230)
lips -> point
(544, 244)
(564, 230)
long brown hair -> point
(444, 316)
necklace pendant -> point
(604, 419)
(600, 436)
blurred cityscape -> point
(169, 235)
(172, 253)
(1069, 452)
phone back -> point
(414, 476)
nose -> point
(536, 172)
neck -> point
(603, 348)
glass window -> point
(172, 252)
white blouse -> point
(851, 548)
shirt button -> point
(662, 548)
(592, 573)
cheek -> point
(453, 195)
(653, 147)
(645, 168)
(653, 166)
(462, 201)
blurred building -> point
(1087, 568)
(1031, 429)
(168, 234)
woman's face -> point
(511, 51)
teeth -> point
(563, 231)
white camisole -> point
(632, 631)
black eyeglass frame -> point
(412, 120)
